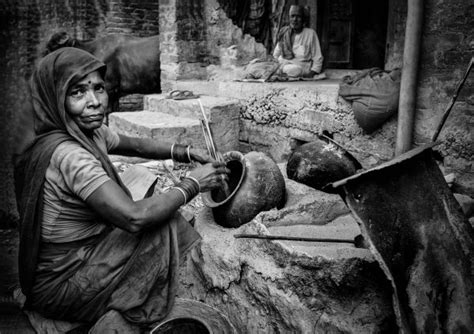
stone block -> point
(223, 114)
(158, 125)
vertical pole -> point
(408, 84)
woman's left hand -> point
(200, 155)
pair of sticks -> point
(206, 129)
(210, 144)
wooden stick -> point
(451, 104)
(282, 237)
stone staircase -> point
(179, 120)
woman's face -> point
(86, 102)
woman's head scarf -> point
(54, 74)
(52, 125)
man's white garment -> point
(307, 52)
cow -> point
(133, 63)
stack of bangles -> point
(180, 153)
(189, 187)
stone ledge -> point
(159, 126)
(190, 108)
(223, 114)
(326, 91)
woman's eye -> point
(100, 88)
(78, 92)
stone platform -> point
(274, 112)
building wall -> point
(447, 47)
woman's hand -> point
(211, 175)
(200, 155)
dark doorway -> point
(353, 32)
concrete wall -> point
(25, 26)
(446, 49)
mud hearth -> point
(266, 286)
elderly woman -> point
(86, 247)
(298, 50)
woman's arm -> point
(154, 149)
(114, 205)
(142, 147)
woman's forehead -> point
(91, 78)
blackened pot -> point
(320, 162)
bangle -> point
(190, 188)
(189, 155)
(183, 193)
(195, 181)
(171, 151)
(181, 153)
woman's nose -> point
(93, 100)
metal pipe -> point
(408, 84)
(290, 238)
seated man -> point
(298, 50)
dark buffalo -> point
(133, 63)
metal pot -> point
(320, 162)
(255, 184)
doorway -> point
(352, 32)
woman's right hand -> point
(211, 175)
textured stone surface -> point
(289, 286)
(272, 113)
(159, 126)
(223, 114)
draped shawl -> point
(51, 126)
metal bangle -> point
(171, 151)
(189, 155)
(195, 181)
(183, 193)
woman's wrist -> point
(189, 188)
(180, 153)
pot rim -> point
(228, 156)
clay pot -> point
(319, 163)
(194, 317)
(255, 184)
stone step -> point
(172, 128)
(222, 113)
(217, 107)
(156, 125)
